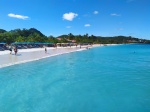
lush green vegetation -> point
(34, 35)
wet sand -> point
(27, 55)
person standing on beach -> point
(56, 45)
(10, 48)
(15, 50)
(45, 50)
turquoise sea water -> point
(102, 79)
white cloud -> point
(68, 26)
(69, 16)
(95, 12)
(114, 14)
(87, 25)
(18, 16)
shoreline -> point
(25, 61)
(29, 55)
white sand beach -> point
(27, 55)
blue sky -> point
(95, 17)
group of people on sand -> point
(13, 48)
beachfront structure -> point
(25, 45)
(3, 46)
(66, 44)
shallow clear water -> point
(102, 79)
